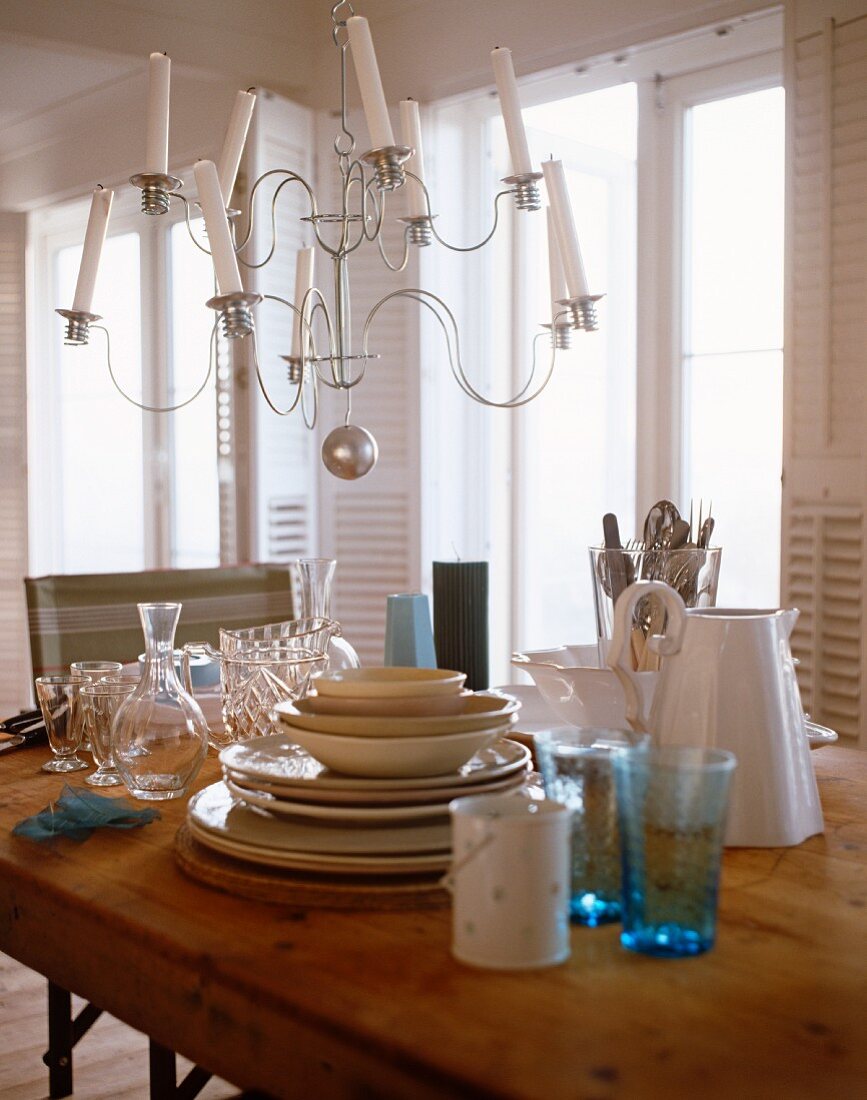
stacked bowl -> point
(396, 723)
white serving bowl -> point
(411, 706)
(390, 683)
(395, 757)
(577, 689)
(477, 713)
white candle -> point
(564, 223)
(233, 145)
(410, 129)
(510, 105)
(369, 83)
(157, 154)
(97, 224)
(304, 262)
(217, 225)
(555, 270)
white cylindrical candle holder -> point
(564, 223)
(233, 145)
(510, 104)
(369, 83)
(159, 82)
(410, 128)
(217, 225)
(304, 263)
(97, 224)
(556, 274)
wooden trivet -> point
(271, 884)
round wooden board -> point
(270, 884)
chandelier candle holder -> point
(322, 350)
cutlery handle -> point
(620, 649)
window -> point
(679, 392)
(114, 488)
(733, 332)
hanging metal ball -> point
(349, 452)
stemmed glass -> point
(60, 702)
(99, 703)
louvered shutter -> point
(371, 526)
(14, 648)
(282, 453)
(825, 489)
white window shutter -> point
(371, 526)
(282, 452)
(14, 645)
(824, 489)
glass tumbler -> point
(671, 805)
(60, 703)
(159, 738)
(99, 704)
(576, 767)
(93, 671)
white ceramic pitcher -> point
(728, 682)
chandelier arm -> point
(435, 305)
(157, 408)
(261, 381)
(290, 178)
(187, 204)
(402, 265)
(371, 195)
(310, 422)
(346, 249)
(457, 247)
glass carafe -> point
(315, 577)
(159, 737)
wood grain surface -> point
(317, 1003)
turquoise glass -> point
(576, 767)
(671, 809)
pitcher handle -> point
(196, 647)
(620, 649)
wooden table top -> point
(320, 1004)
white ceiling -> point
(35, 77)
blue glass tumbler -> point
(671, 808)
(576, 770)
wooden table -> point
(324, 1004)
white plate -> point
(360, 815)
(215, 811)
(342, 865)
(402, 796)
(478, 712)
(535, 714)
(390, 682)
(279, 760)
(819, 736)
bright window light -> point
(733, 334)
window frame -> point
(50, 230)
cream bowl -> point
(411, 706)
(394, 757)
(479, 712)
(390, 683)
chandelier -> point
(322, 351)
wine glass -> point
(60, 702)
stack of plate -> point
(396, 723)
(279, 807)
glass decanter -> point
(159, 737)
(315, 577)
